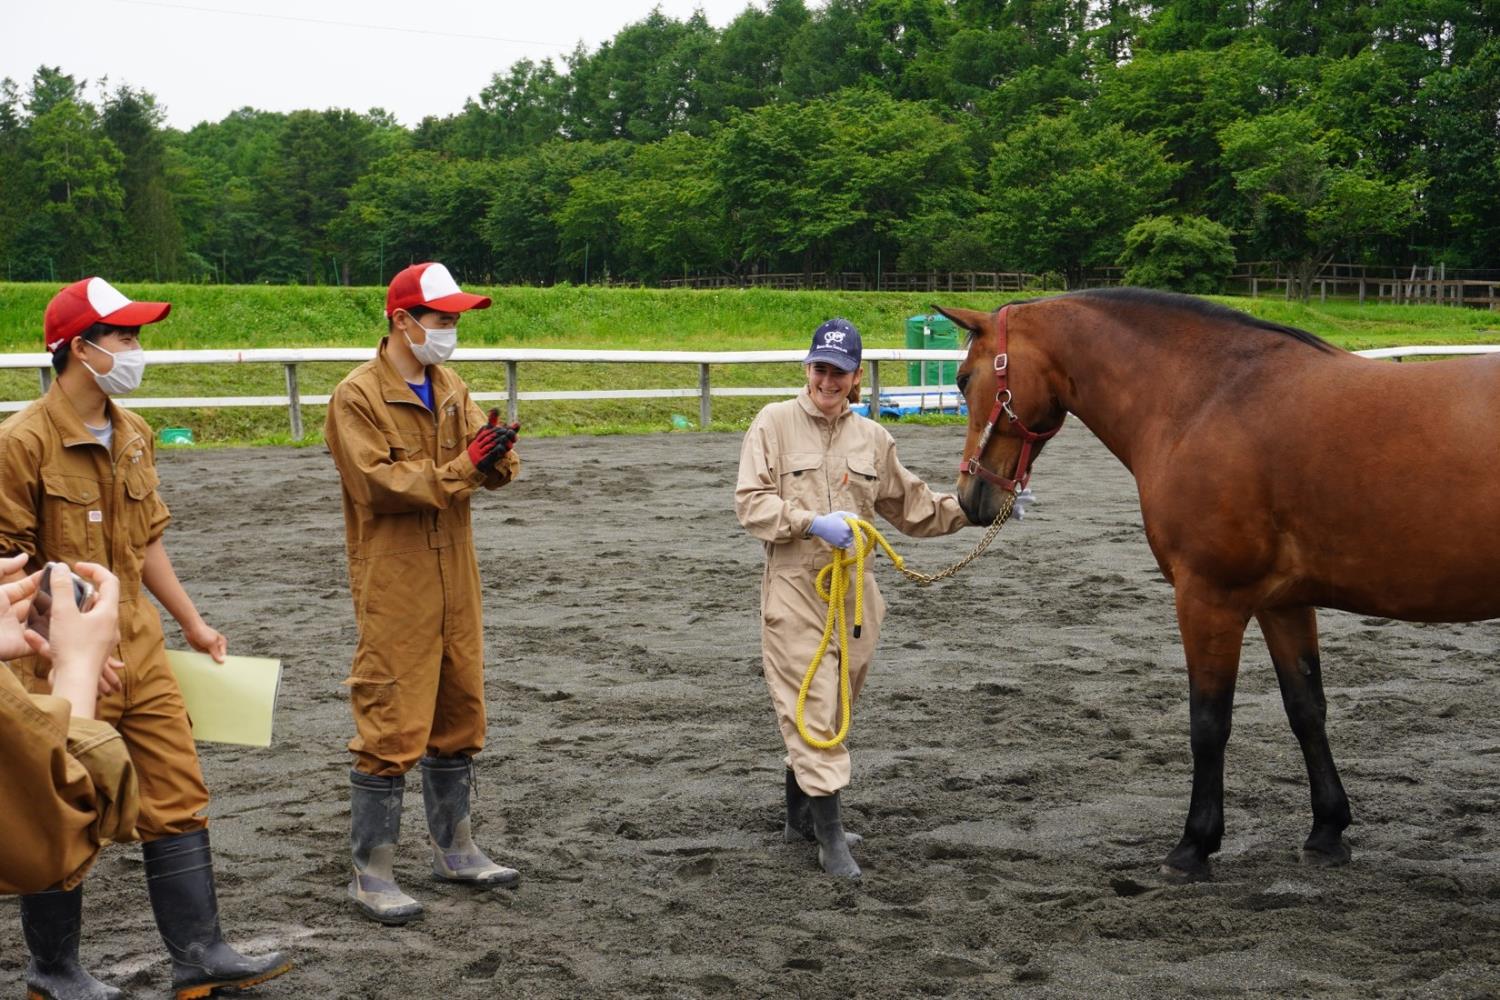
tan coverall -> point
(67, 787)
(64, 497)
(794, 465)
(417, 683)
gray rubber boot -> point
(799, 824)
(51, 922)
(180, 881)
(374, 832)
(446, 784)
(833, 849)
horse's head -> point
(1013, 410)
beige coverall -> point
(64, 497)
(66, 788)
(417, 683)
(794, 465)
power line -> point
(344, 24)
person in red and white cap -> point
(411, 448)
(78, 484)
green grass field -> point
(211, 316)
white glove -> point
(833, 529)
(1024, 499)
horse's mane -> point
(1199, 307)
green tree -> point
(1183, 254)
(518, 110)
(671, 213)
(521, 224)
(303, 188)
(1308, 207)
(1184, 99)
(1459, 115)
(413, 206)
(835, 49)
(151, 242)
(74, 170)
(827, 184)
(14, 199)
(1063, 191)
(745, 67)
(644, 83)
(215, 168)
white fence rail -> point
(512, 358)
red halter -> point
(1002, 405)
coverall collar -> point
(70, 426)
(804, 398)
(394, 388)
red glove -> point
(491, 443)
(483, 443)
(511, 430)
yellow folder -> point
(229, 702)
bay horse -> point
(1277, 474)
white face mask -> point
(125, 376)
(437, 348)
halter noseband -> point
(1003, 398)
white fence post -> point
(294, 400)
(512, 407)
(705, 406)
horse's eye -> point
(963, 382)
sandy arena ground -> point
(1020, 754)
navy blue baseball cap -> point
(837, 343)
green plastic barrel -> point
(175, 435)
(931, 333)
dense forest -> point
(1046, 136)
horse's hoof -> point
(1195, 873)
(1318, 858)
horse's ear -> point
(970, 319)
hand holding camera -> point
(76, 640)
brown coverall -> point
(417, 683)
(794, 465)
(64, 497)
(66, 788)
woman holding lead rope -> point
(807, 465)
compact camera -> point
(39, 620)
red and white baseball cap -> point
(432, 286)
(94, 300)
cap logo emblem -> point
(833, 337)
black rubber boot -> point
(833, 849)
(51, 922)
(374, 832)
(799, 824)
(446, 784)
(180, 881)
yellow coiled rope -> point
(832, 584)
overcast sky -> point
(205, 58)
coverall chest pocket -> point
(803, 480)
(141, 482)
(862, 483)
(451, 431)
(407, 443)
(72, 519)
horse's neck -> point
(1132, 387)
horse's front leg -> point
(1212, 632)
(1292, 637)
